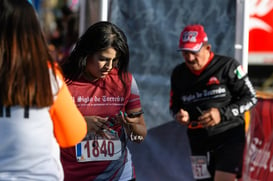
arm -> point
(175, 103)
(69, 124)
(134, 124)
(243, 94)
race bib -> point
(199, 167)
(99, 149)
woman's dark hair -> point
(98, 37)
(24, 57)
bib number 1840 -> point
(98, 150)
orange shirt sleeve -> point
(69, 125)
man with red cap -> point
(210, 94)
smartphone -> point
(199, 110)
(135, 114)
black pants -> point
(223, 152)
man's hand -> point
(182, 117)
(210, 117)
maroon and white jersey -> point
(107, 159)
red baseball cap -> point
(192, 38)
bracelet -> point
(132, 136)
(136, 137)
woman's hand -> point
(99, 125)
(134, 124)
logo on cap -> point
(192, 38)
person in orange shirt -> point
(37, 112)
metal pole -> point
(82, 20)
(104, 10)
(242, 33)
(92, 11)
